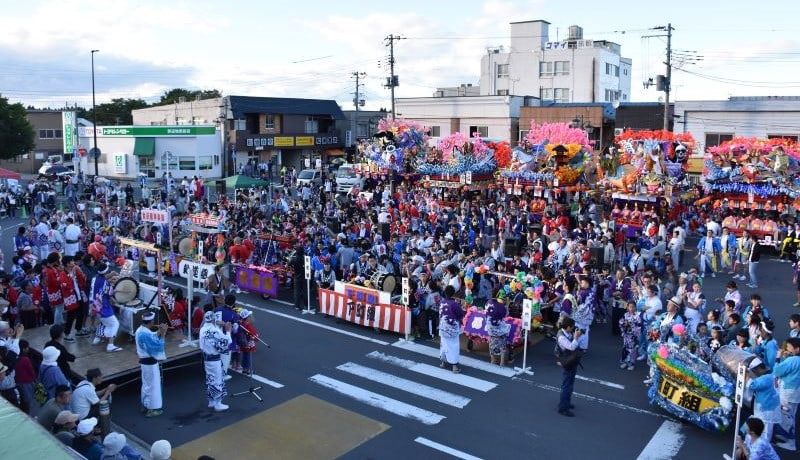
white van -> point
(346, 179)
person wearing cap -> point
(766, 345)
(101, 292)
(50, 374)
(246, 338)
(86, 395)
(115, 447)
(57, 341)
(215, 341)
(150, 349)
(161, 450)
(87, 439)
(64, 426)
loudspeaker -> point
(596, 258)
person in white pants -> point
(150, 349)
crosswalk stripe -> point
(409, 386)
(447, 450)
(463, 360)
(665, 443)
(435, 372)
(378, 400)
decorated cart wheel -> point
(470, 345)
(265, 296)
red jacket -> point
(251, 334)
(52, 285)
(68, 293)
(177, 319)
(23, 372)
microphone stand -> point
(254, 388)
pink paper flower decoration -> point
(663, 351)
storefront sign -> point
(284, 141)
(156, 216)
(304, 141)
(68, 131)
(120, 163)
(259, 142)
(147, 131)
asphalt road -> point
(489, 416)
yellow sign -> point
(284, 141)
(304, 141)
(681, 396)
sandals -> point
(456, 370)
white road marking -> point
(435, 372)
(601, 382)
(379, 401)
(259, 378)
(410, 386)
(593, 398)
(665, 444)
(463, 360)
(447, 450)
(301, 320)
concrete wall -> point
(205, 112)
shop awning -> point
(334, 152)
(145, 147)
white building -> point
(127, 151)
(714, 122)
(570, 70)
(495, 117)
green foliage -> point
(172, 96)
(16, 132)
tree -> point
(16, 132)
(172, 96)
(116, 112)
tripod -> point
(254, 388)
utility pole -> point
(356, 102)
(392, 81)
(94, 123)
(668, 84)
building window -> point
(483, 131)
(624, 97)
(561, 94)
(612, 69)
(168, 161)
(546, 94)
(186, 163)
(562, 67)
(434, 131)
(240, 124)
(625, 71)
(523, 133)
(269, 121)
(545, 69)
(50, 134)
(361, 130)
(502, 70)
(312, 125)
(611, 95)
(205, 163)
(715, 139)
(502, 92)
(786, 137)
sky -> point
(310, 49)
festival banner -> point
(359, 310)
(256, 279)
(475, 323)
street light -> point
(94, 122)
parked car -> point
(313, 177)
(53, 172)
(346, 179)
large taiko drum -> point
(383, 281)
(126, 289)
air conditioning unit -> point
(618, 131)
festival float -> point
(460, 162)
(394, 150)
(754, 181)
(643, 172)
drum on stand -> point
(126, 290)
(383, 281)
(185, 247)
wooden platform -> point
(112, 365)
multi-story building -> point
(366, 122)
(283, 131)
(495, 117)
(48, 138)
(571, 70)
(596, 118)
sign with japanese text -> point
(680, 395)
(740, 380)
(527, 311)
(284, 141)
(68, 130)
(156, 216)
(304, 141)
(146, 131)
(195, 271)
(204, 220)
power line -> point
(754, 84)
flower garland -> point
(502, 153)
(557, 133)
(759, 189)
(530, 176)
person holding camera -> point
(568, 356)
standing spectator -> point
(630, 326)
(707, 250)
(86, 396)
(50, 374)
(568, 356)
(788, 373)
(25, 376)
(57, 341)
(755, 257)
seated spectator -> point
(57, 341)
(64, 427)
(50, 374)
(87, 439)
(115, 447)
(50, 410)
(161, 450)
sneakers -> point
(112, 348)
(796, 304)
(227, 377)
(95, 340)
(713, 274)
(219, 407)
(153, 413)
(640, 358)
(630, 367)
(647, 381)
(623, 365)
